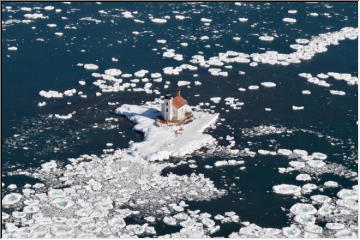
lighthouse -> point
(174, 109)
(167, 111)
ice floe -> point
(41, 104)
(13, 48)
(297, 108)
(287, 189)
(268, 84)
(215, 99)
(183, 83)
(158, 20)
(337, 92)
(51, 94)
(35, 16)
(91, 66)
(303, 209)
(266, 38)
(113, 72)
(289, 20)
(64, 117)
(11, 198)
(243, 19)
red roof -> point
(179, 101)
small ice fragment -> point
(242, 19)
(12, 48)
(289, 20)
(183, 83)
(215, 99)
(337, 92)
(253, 87)
(159, 20)
(91, 66)
(286, 189)
(82, 83)
(41, 104)
(266, 38)
(161, 41)
(297, 108)
(113, 72)
(268, 84)
(331, 184)
(206, 20)
(313, 14)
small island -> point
(174, 134)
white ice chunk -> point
(11, 198)
(297, 108)
(266, 38)
(215, 99)
(158, 20)
(303, 177)
(303, 209)
(183, 83)
(13, 48)
(291, 232)
(316, 163)
(113, 72)
(286, 189)
(91, 66)
(51, 94)
(289, 20)
(268, 84)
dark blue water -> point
(330, 121)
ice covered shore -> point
(163, 142)
(93, 196)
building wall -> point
(167, 109)
(179, 114)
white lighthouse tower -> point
(167, 110)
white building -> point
(174, 108)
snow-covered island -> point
(163, 141)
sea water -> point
(46, 46)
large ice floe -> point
(93, 196)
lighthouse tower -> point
(167, 107)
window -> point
(167, 110)
(167, 103)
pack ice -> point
(95, 194)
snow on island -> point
(163, 142)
